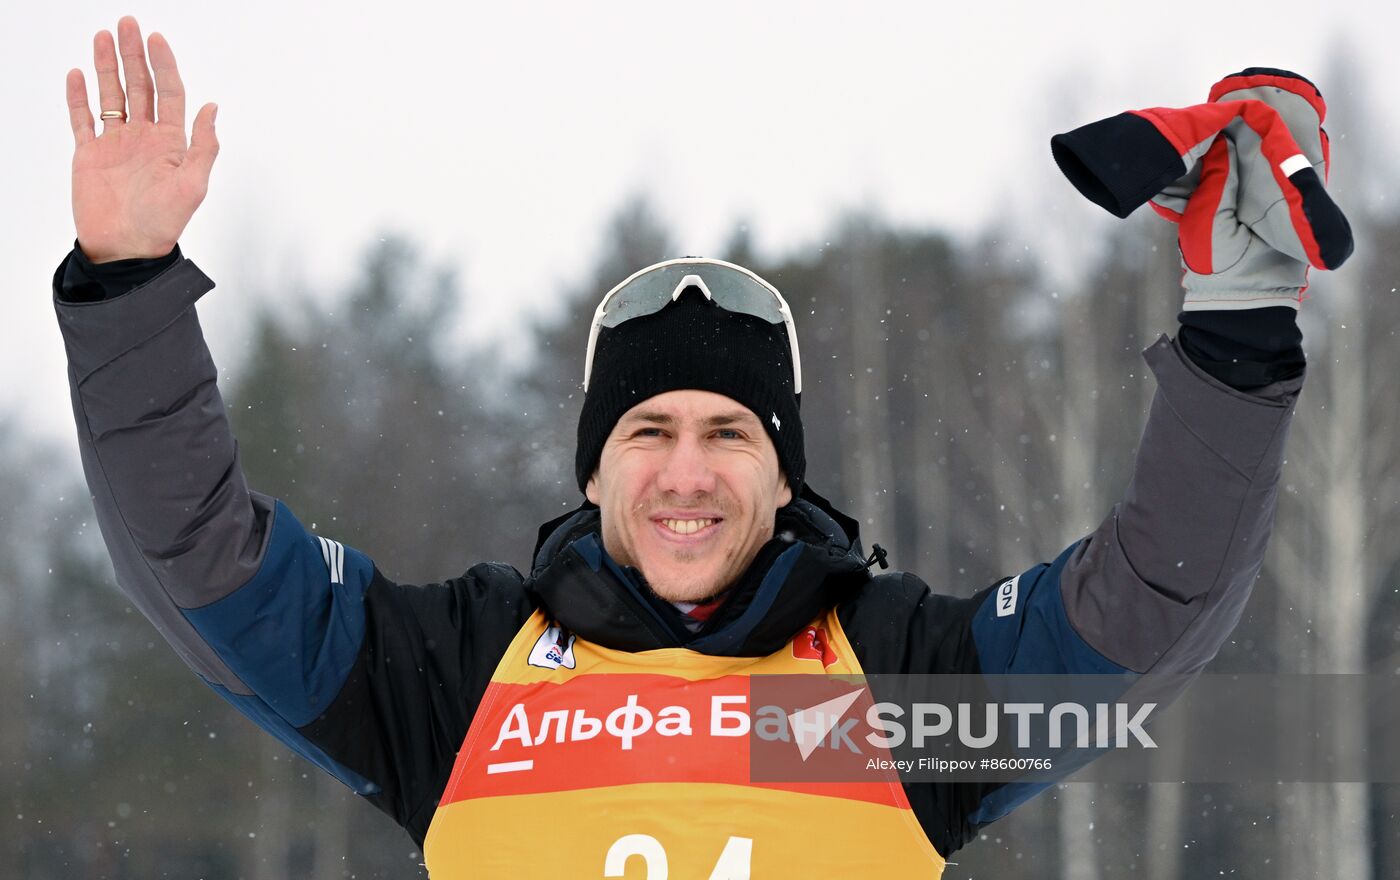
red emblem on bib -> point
(812, 644)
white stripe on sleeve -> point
(333, 554)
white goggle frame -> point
(695, 280)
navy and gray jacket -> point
(376, 682)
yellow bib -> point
(583, 761)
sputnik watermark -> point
(1112, 727)
(1115, 725)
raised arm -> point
(373, 681)
(1160, 584)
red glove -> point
(1239, 174)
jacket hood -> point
(813, 561)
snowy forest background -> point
(974, 411)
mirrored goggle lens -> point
(729, 288)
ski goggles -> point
(728, 286)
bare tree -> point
(1341, 501)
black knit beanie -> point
(693, 343)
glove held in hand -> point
(1238, 174)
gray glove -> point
(1248, 199)
(1252, 212)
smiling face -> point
(688, 485)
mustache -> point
(705, 503)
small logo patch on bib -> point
(553, 649)
(812, 644)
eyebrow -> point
(714, 421)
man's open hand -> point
(136, 185)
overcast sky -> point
(502, 135)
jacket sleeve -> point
(1156, 588)
(370, 680)
(1159, 585)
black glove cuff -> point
(1245, 348)
(1117, 163)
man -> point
(592, 710)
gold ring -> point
(114, 114)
